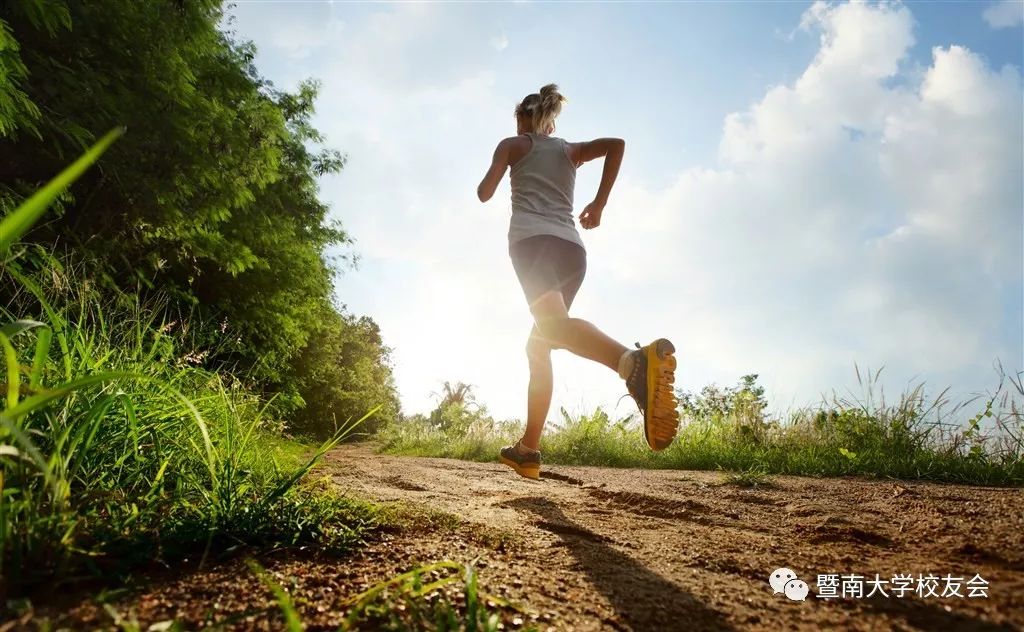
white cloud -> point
(850, 219)
(1004, 14)
(298, 41)
(869, 212)
(499, 42)
(295, 33)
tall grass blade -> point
(55, 318)
(17, 223)
(30, 449)
(41, 400)
(42, 352)
(211, 457)
(12, 329)
(133, 421)
(13, 371)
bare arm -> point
(499, 164)
(612, 149)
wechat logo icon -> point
(785, 581)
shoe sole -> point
(531, 472)
(662, 419)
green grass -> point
(116, 449)
(114, 446)
(424, 599)
(289, 452)
(749, 478)
(915, 437)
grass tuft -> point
(749, 478)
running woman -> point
(550, 261)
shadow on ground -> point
(920, 615)
(642, 599)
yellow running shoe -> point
(650, 383)
(525, 465)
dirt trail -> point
(601, 549)
(606, 548)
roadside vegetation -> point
(168, 326)
(207, 207)
(174, 361)
(118, 451)
(913, 437)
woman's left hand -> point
(591, 215)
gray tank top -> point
(542, 188)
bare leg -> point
(554, 329)
(580, 337)
(539, 391)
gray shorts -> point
(545, 262)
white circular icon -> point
(796, 589)
(779, 578)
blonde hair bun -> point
(542, 107)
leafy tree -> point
(457, 393)
(210, 198)
(715, 403)
(343, 371)
(457, 407)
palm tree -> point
(458, 393)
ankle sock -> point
(626, 364)
(523, 450)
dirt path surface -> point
(614, 549)
(596, 548)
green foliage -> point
(424, 599)
(114, 447)
(341, 373)
(210, 200)
(457, 410)
(117, 444)
(455, 429)
(728, 429)
(746, 399)
(16, 110)
(459, 417)
(593, 438)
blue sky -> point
(821, 184)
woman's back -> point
(542, 191)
